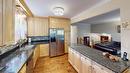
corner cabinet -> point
(83, 64)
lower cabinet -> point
(83, 64)
(44, 50)
(74, 59)
(77, 61)
(36, 55)
(86, 65)
(71, 56)
(23, 69)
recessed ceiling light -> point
(58, 11)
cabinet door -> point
(77, 61)
(44, 50)
(8, 21)
(1, 22)
(36, 55)
(86, 65)
(31, 26)
(70, 55)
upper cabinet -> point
(37, 26)
(56, 22)
(7, 14)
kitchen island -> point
(79, 55)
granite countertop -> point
(96, 55)
(14, 62)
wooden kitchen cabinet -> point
(8, 21)
(7, 14)
(86, 65)
(37, 26)
(23, 69)
(31, 27)
(71, 56)
(44, 50)
(36, 55)
(74, 59)
(77, 61)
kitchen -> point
(26, 40)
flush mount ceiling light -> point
(58, 11)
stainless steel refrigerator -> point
(56, 42)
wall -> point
(74, 34)
(83, 29)
(109, 28)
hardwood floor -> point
(54, 65)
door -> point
(60, 42)
(53, 47)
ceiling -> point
(44, 8)
(104, 18)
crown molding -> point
(25, 7)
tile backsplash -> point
(39, 38)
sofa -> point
(112, 47)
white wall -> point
(109, 28)
(83, 29)
(74, 34)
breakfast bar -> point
(95, 59)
